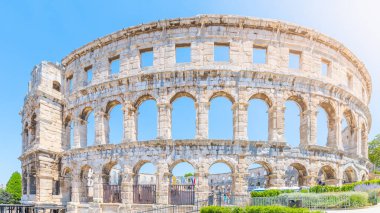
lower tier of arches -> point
(121, 174)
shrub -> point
(330, 199)
(254, 209)
(270, 193)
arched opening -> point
(292, 123)
(144, 187)
(183, 118)
(24, 182)
(295, 175)
(57, 86)
(88, 125)
(86, 190)
(364, 143)
(258, 176)
(66, 185)
(115, 122)
(147, 120)
(32, 181)
(182, 184)
(112, 178)
(258, 120)
(26, 136)
(349, 175)
(326, 176)
(220, 179)
(220, 118)
(33, 128)
(347, 133)
(69, 133)
(322, 127)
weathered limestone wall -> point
(51, 107)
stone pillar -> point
(163, 182)
(130, 123)
(101, 127)
(202, 188)
(98, 186)
(357, 140)
(240, 120)
(164, 121)
(202, 109)
(312, 117)
(127, 187)
(75, 186)
(277, 178)
(276, 123)
(335, 133)
(240, 178)
(77, 133)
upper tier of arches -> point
(94, 63)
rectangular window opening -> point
(114, 64)
(349, 81)
(146, 57)
(69, 81)
(221, 52)
(88, 71)
(183, 53)
(294, 60)
(259, 55)
(325, 67)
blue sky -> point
(32, 31)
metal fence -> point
(182, 194)
(111, 193)
(144, 193)
(20, 208)
(304, 202)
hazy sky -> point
(32, 31)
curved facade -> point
(296, 64)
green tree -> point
(14, 187)
(189, 174)
(374, 151)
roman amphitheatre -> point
(60, 166)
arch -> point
(226, 162)
(179, 161)
(69, 134)
(86, 112)
(87, 184)
(182, 94)
(147, 118)
(183, 120)
(263, 97)
(67, 177)
(221, 127)
(26, 134)
(110, 105)
(300, 102)
(331, 122)
(349, 175)
(347, 132)
(222, 180)
(350, 119)
(143, 98)
(112, 178)
(33, 126)
(144, 186)
(114, 123)
(293, 123)
(258, 117)
(295, 175)
(259, 173)
(326, 175)
(222, 94)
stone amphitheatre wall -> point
(344, 92)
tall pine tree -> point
(14, 187)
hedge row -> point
(255, 209)
(270, 193)
(329, 200)
(344, 188)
